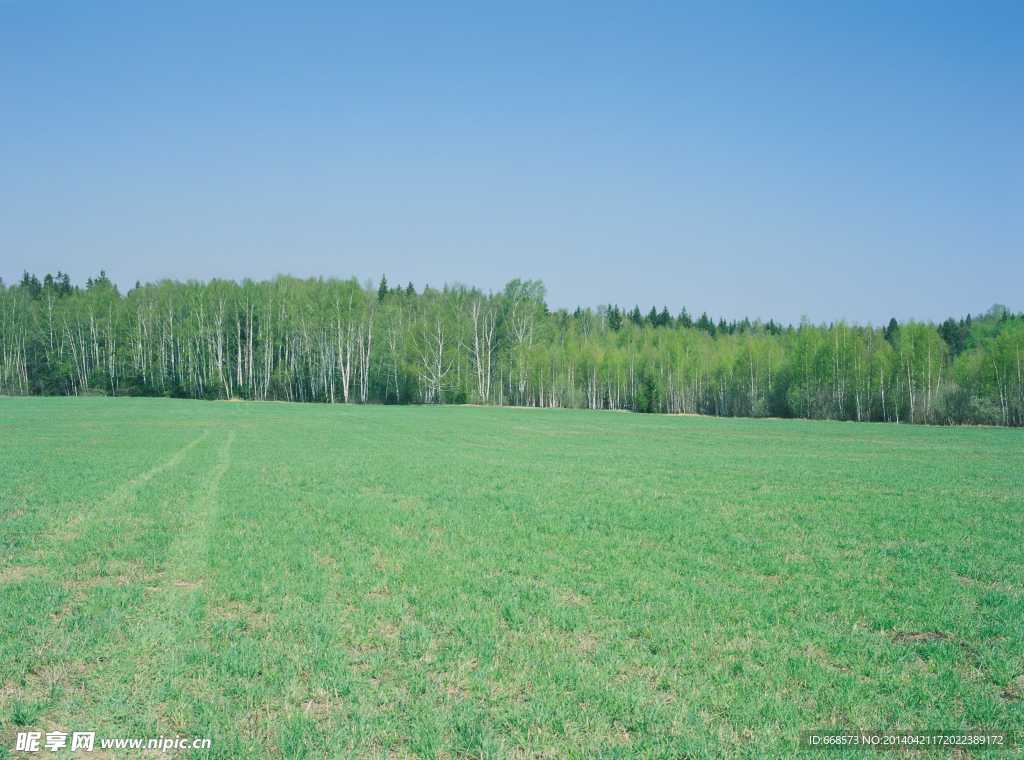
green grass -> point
(305, 581)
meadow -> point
(316, 581)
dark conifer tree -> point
(615, 319)
(892, 331)
(955, 336)
(31, 283)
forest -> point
(337, 341)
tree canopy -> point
(337, 341)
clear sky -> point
(855, 160)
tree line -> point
(336, 341)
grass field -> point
(297, 581)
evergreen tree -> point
(705, 324)
(615, 319)
(892, 331)
(31, 283)
(383, 289)
(955, 336)
(101, 283)
(62, 284)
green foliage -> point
(647, 395)
(615, 319)
(31, 284)
(955, 335)
(892, 331)
(335, 341)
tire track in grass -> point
(171, 462)
(69, 691)
(122, 495)
(157, 664)
(189, 554)
(201, 661)
(90, 546)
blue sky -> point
(841, 160)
